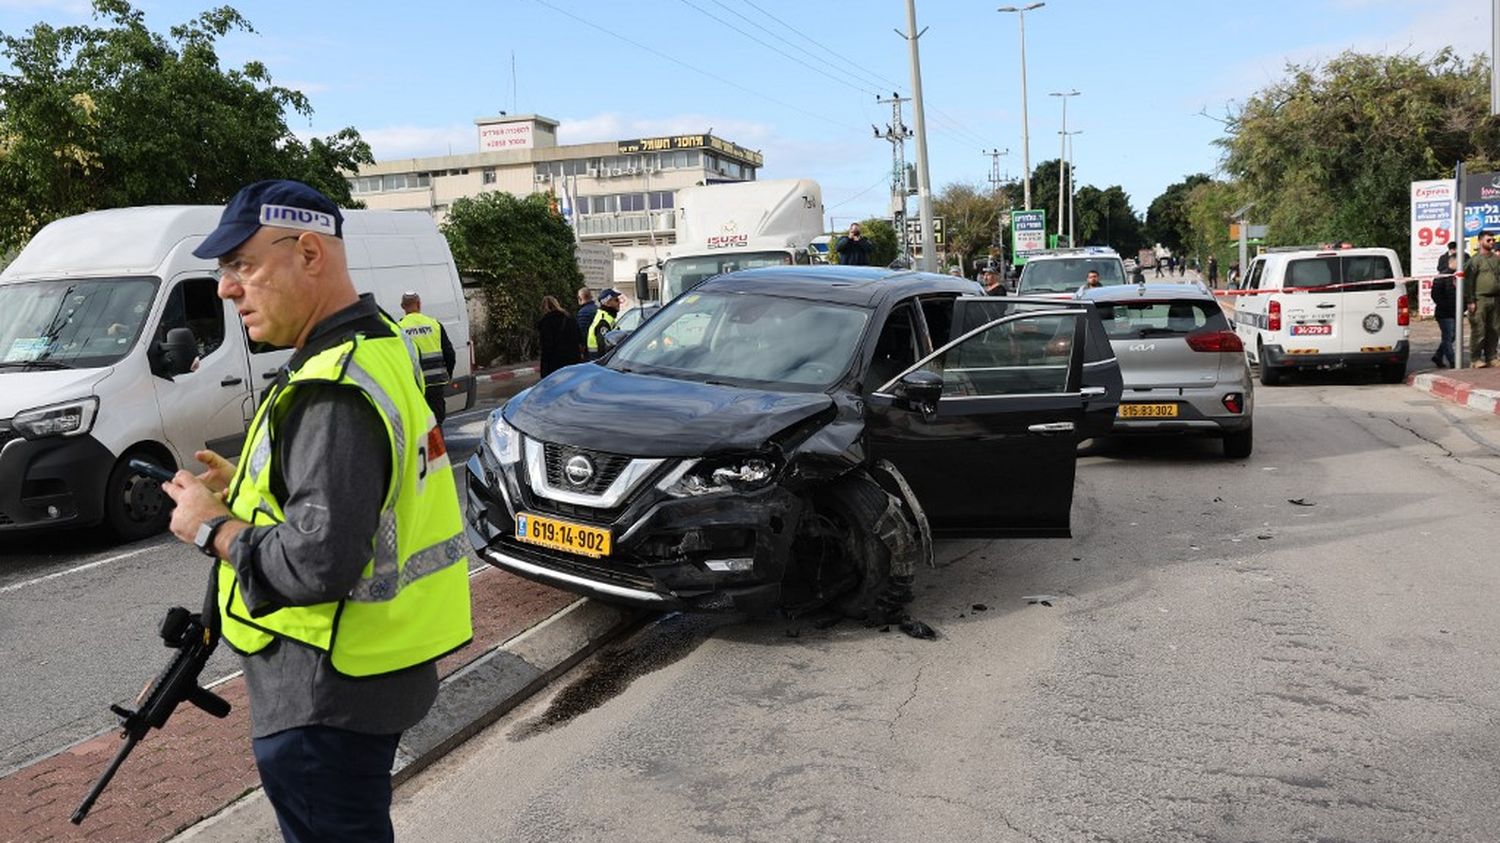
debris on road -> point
(1300, 502)
(980, 607)
(1039, 600)
(917, 629)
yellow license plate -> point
(563, 535)
(1148, 411)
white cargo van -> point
(88, 379)
(1324, 308)
(742, 225)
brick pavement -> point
(198, 764)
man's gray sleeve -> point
(334, 460)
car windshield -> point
(740, 338)
(73, 324)
(682, 274)
(1136, 319)
(1064, 275)
(632, 318)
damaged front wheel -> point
(854, 550)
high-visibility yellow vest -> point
(600, 316)
(411, 604)
(426, 335)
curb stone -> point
(1457, 391)
(468, 700)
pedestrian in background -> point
(990, 278)
(586, 310)
(1213, 272)
(338, 623)
(1443, 301)
(434, 350)
(853, 248)
(604, 322)
(1483, 300)
(560, 342)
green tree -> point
(114, 114)
(1329, 151)
(1105, 216)
(523, 250)
(1209, 206)
(971, 220)
(1167, 216)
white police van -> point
(96, 358)
(1321, 308)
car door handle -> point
(268, 376)
(230, 381)
(1328, 304)
(1094, 392)
(1049, 428)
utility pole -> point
(897, 132)
(1072, 183)
(1062, 155)
(996, 181)
(924, 183)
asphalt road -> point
(79, 618)
(1294, 647)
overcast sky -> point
(798, 79)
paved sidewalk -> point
(198, 765)
(1477, 389)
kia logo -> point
(579, 470)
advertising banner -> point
(1028, 234)
(1433, 212)
(1481, 206)
(498, 137)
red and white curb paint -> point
(1450, 389)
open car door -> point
(985, 429)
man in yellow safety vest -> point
(339, 557)
(433, 349)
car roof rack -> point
(1313, 247)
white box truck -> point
(742, 225)
(89, 380)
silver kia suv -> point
(1184, 367)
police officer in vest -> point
(433, 349)
(337, 540)
(604, 321)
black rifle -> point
(194, 637)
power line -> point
(695, 69)
(817, 55)
(772, 47)
(878, 182)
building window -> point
(489, 176)
(632, 202)
(661, 200)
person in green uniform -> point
(1482, 295)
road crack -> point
(916, 683)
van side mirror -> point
(180, 349)
(921, 387)
(642, 286)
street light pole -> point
(1072, 185)
(1025, 124)
(1062, 156)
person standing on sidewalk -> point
(1483, 299)
(1444, 298)
(433, 348)
(337, 540)
(1213, 272)
(853, 249)
(604, 322)
(585, 315)
(559, 341)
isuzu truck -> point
(728, 227)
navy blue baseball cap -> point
(608, 293)
(281, 203)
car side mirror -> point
(180, 348)
(614, 338)
(921, 387)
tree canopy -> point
(522, 249)
(1167, 215)
(1329, 152)
(113, 114)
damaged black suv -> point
(794, 436)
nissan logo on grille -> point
(579, 470)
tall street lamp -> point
(1025, 128)
(1062, 156)
(1072, 185)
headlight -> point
(74, 418)
(725, 474)
(503, 440)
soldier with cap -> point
(434, 351)
(340, 570)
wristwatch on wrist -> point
(205, 537)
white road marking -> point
(77, 570)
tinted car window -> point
(1325, 270)
(1026, 356)
(1064, 275)
(1133, 319)
(752, 339)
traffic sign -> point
(914, 230)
